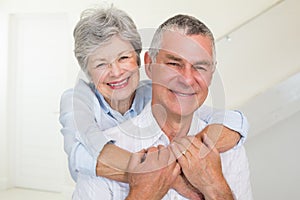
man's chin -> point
(184, 111)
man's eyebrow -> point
(174, 57)
(178, 59)
(203, 62)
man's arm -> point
(201, 165)
(222, 137)
(186, 189)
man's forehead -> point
(192, 48)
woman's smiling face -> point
(114, 70)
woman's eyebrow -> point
(125, 52)
(98, 60)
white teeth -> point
(183, 94)
(119, 84)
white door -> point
(38, 54)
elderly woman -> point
(107, 48)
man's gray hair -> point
(184, 24)
(97, 26)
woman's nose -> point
(115, 69)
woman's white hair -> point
(97, 26)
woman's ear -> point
(148, 65)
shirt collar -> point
(143, 95)
(108, 109)
(196, 125)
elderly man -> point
(180, 62)
(181, 72)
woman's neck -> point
(122, 106)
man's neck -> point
(172, 125)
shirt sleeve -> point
(92, 188)
(235, 168)
(83, 139)
(232, 119)
(79, 159)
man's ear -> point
(148, 65)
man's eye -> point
(174, 64)
(200, 68)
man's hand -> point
(113, 161)
(183, 187)
(151, 173)
(201, 164)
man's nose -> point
(187, 76)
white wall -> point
(270, 152)
(275, 161)
(3, 101)
(11, 76)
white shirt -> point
(142, 132)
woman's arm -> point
(84, 139)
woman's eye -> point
(101, 65)
(124, 58)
